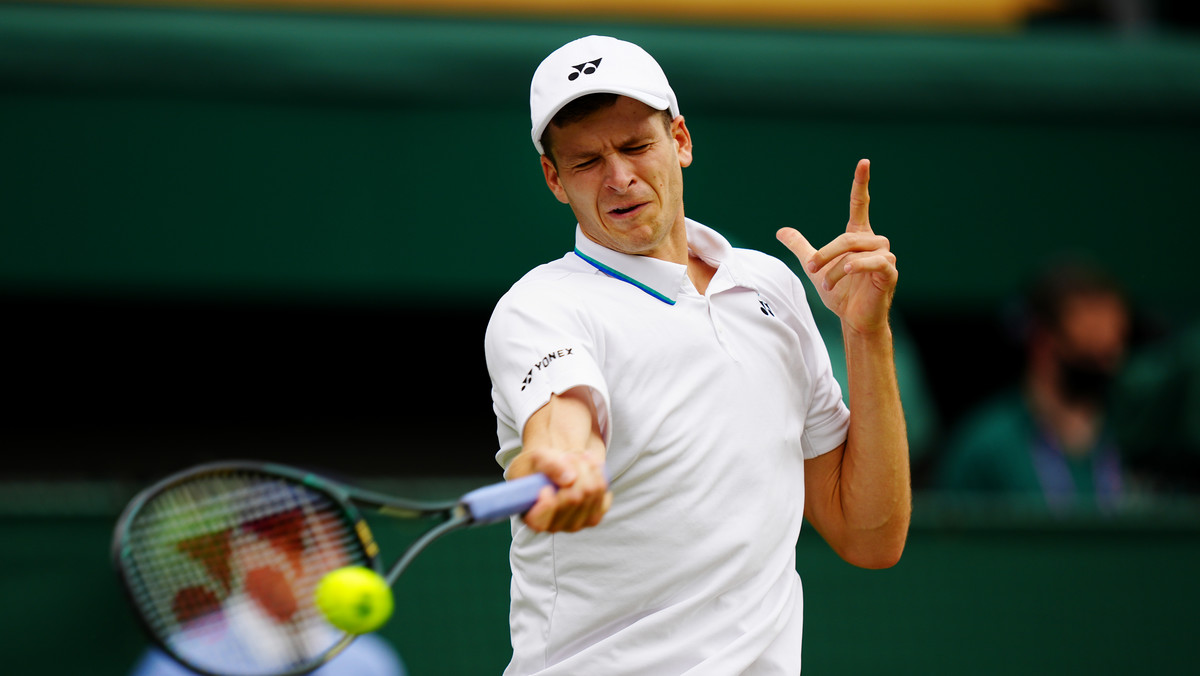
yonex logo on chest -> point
(544, 363)
(584, 69)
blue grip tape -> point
(504, 499)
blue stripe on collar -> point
(624, 278)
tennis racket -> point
(221, 561)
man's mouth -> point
(621, 211)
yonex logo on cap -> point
(574, 69)
(584, 69)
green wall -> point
(384, 157)
(186, 159)
(979, 592)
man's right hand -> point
(579, 498)
(562, 440)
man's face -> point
(1095, 328)
(1091, 345)
(621, 171)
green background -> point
(253, 224)
(279, 235)
(388, 157)
(979, 590)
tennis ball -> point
(355, 599)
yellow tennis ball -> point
(355, 599)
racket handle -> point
(504, 499)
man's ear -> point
(683, 140)
(552, 182)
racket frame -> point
(450, 515)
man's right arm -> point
(562, 440)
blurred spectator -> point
(1050, 438)
(1157, 412)
(368, 655)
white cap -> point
(595, 65)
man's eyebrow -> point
(631, 141)
(636, 143)
(576, 157)
(638, 138)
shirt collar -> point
(661, 279)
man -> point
(692, 376)
(1050, 439)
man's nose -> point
(618, 174)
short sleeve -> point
(538, 343)
(827, 420)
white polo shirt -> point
(709, 405)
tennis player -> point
(678, 393)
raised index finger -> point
(860, 200)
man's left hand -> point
(855, 274)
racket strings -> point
(224, 568)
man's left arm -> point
(859, 495)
